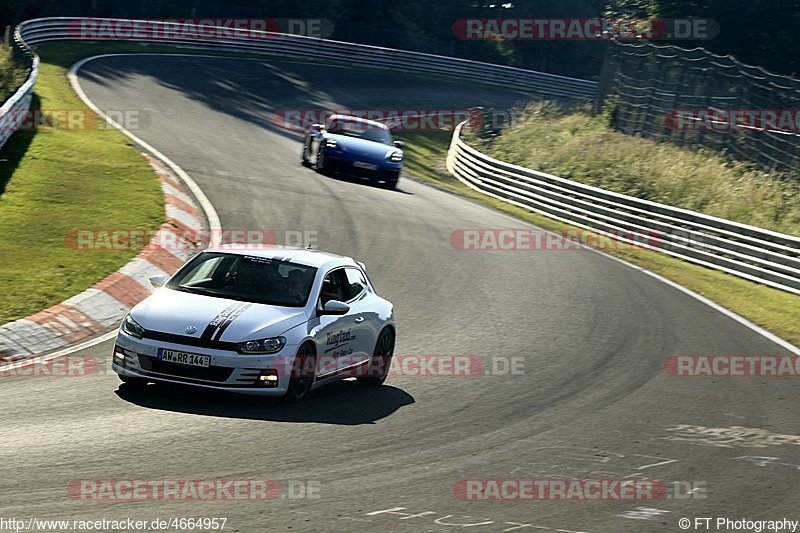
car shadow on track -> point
(345, 402)
(367, 183)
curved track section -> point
(593, 400)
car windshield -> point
(246, 278)
(360, 129)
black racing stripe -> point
(217, 320)
(231, 317)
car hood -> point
(363, 150)
(170, 311)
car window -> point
(378, 135)
(334, 287)
(360, 129)
(203, 271)
(246, 278)
(355, 282)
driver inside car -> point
(250, 278)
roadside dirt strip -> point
(103, 306)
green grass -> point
(583, 148)
(774, 310)
(56, 181)
(425, 153)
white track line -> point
(717, 307)
(214, 225)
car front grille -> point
(347, 167)
(189, 341)
(212, 373)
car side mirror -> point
(158, 281)
(399, 144)
(335, 307)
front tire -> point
(378, 368)
(303, 374)
(303, 157)
(320, 165)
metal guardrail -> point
(14, 110)
(745, 251)
(38, 31)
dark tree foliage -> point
(763, 32)
(758, 32)
(422, 25)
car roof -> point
(290, 254)
(359, 120)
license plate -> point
(183, 358)
(368, 166)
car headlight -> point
(271, 345)
(396, 156)
(331, 143)
(132, 328)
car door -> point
(358, 296)
(337, 335)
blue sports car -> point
(356, 147)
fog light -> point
(119, 355)
(268, 378)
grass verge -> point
(774, 310)
(54, 181)
(578, 146)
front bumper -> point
(386, 172)
(228, 371)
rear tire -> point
(378, 368)
(303, 374)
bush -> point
(12, 74)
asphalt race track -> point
(593, 400)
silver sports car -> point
(270, 321)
